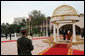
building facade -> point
(18, 20)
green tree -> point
(24, 22)
(16, 28)
(11, 29)
(37, 19)
(4, 28)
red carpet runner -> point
(60, 46)
(58, 49)
(61, 49)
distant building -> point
(18, 20)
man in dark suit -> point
(49, 33)
(10, 36)
(6, 35)
(24, 44)
(64, 34)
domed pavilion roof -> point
(64, 10)
(64, 14)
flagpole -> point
(29, 27)
(29, 24)
(43, 29)
(46, 28)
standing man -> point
(6, 35)
(64, 34)
(49, 33)
(10, 36)
(24, 44)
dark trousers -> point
(64, 37)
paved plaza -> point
(10, 48)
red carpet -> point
(61, 49)
(57, 51)
(78, 52)
(60, 46)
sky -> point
(13, 9)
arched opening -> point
(70, 27)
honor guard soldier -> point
(24, 44)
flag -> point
(29, 17)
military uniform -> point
(24, 46)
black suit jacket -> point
(64, 32)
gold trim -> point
(64, 22)
(65, 15)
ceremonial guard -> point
(24, 44)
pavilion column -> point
(58, 32)
(74, 33)
(54, 32)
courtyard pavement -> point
(10, 48)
